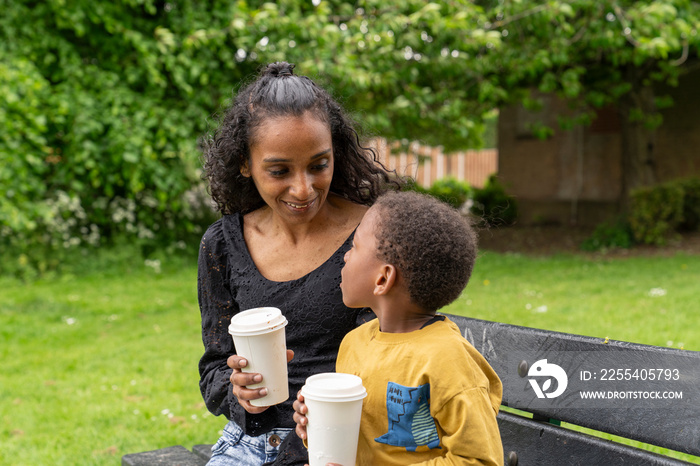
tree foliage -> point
(103, 102)
(599, 53)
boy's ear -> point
(385, 280)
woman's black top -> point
(229, 282)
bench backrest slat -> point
(673, 424)
(544, 444)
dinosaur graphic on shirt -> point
(410, 422)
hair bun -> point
(279, 69)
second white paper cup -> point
(259, 336)
(334, 402)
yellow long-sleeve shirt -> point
(432, 399)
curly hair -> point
(278, 92)
(429, 242)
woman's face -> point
(291, 163)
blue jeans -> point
(236, 448)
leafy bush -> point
(448, 190)
(62, 230)
(691, 204)
(451, 191)
(655, 212)
(609, 235)
(410, 184)
(99, 133)
(493, 205)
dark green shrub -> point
(493, 205)
(655, 212)
(609, 235)
(410, 184)
(51, 233)
(691, 204)
(451, 191)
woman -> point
(288, 173)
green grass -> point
(98, 366)
(643, 300)
(649, 300)
(103, 362)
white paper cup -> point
(259, 336)
(334, 402)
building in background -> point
(575, 176)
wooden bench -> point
(530, 426)
(538, 439)
(170, 456)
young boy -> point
(432, 398)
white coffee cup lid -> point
(256, 321)
(334, 386)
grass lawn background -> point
(103, 362)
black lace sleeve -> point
(217, 307)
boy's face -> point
(361, 264)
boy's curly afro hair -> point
(430, 243)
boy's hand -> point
(300, 411)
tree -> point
(595, 53)
(103, 101)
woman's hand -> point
(240, 380)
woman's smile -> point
(298, 205)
